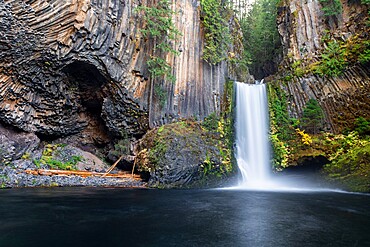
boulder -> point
(181, 155)
(15, 143)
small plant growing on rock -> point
(305, 138)
(362, 126)
(210, 123)
(331, 7)
(333, 60)
(48, 158)
(26, 156)
(161, 29)
(313, 116)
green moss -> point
(216, 31)
(350, 164)
(48, 158)
(280, 130)
(26, 156)
(3, 179)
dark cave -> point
(89, 82)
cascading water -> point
(252, 145)
(251, 127)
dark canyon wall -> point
(79, 66)
(303, 28)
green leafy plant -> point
(364, 56)
(261, 38)
(350, 161)
(160, 94)
(26, 156)
(331, 7)
(210, 123)
(313, 116)
(47, 158)
(280, 128)
(217, 34)
(362, 126)
(161, 29)
(333, 60)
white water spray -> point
(252, 145)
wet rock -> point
(180, 155)
(15, 143)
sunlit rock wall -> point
(302, 25)
(80, 65)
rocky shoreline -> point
(14, 176)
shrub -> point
(333, 60)
(331, 7)
(217, 34)
(362, 126)
(210, 123)
(160, 27)
(350, 163)
(313, 116)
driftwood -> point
(112, 167)
(47, 172)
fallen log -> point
(54, 172)
(113, 166)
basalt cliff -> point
(70, 67)
(75, 72)
(320, 96)
(306, 31)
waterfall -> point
(251, 129)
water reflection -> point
(116, 217)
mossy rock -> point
(352, 169)
(182, 154)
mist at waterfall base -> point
(252, 147)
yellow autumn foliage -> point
(305, 138)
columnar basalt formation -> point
(80, 67)
(302, 26)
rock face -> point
(182, 154)
(14, 144)
(302, 26)
(77, 66)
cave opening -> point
(88, 81)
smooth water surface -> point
(251, 134)
(138, 217)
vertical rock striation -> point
(302, 26)
(79, 66)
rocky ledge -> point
(186, 154)
(22, 153)
(13, 176)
